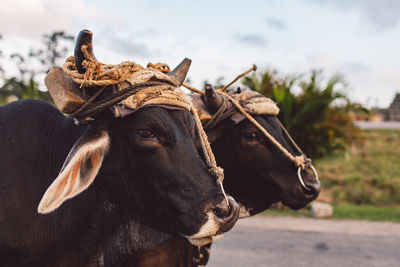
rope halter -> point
(253, 102)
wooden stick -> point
(193, 89)
(254, 68)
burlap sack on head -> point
(252, 101)
(168, 94)
(255, 103)
(85, 86)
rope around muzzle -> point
(99, 74)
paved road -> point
(393, 125)
(285, 241)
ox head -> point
(146, 163)
(257, 173)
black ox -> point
(149, 182)
(257, 173)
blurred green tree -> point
(33, 64)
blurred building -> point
(393, 112)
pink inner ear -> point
(73, 176)
(60, 187)
(96, 159)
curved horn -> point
(213, 100)
(179, 73)
(84, 38)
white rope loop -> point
(301, 178)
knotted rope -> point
(164, 68)
(97, 73)
(223, 112)
(216, 171)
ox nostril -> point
(222, 210)
(226, 215)
(315, 188)
(226, 212)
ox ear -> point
(79, 170)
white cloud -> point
(33, 18)
(250, 39)
(276, 23)
(382, 14)
(390, 76)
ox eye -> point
(146, 134)
(250, 136)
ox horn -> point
(213, 100)
(179, 73)
(84, 38)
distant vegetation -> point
(31, 64)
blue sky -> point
(359, 39)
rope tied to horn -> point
(164, 68)
(97, 73)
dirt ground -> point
(287, 241)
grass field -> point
(367, 173)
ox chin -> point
(295, 205)
(201, 241)
(208, 232)
(244, 211)
(219, 221)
